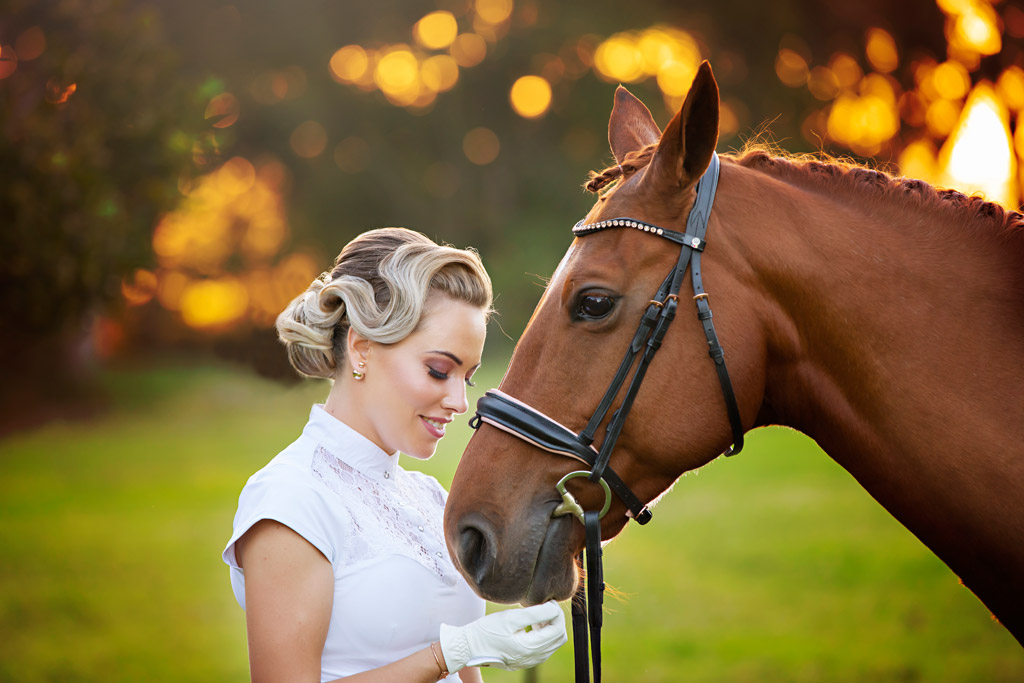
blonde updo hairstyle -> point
(379, 287)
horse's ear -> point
(689, 141)
(631, 126)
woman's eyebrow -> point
(449, 354)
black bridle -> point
(515, 417)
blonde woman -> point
(338, 555)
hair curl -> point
(378, 286)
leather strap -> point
(500, 410)
(595, 587)
(578, 610)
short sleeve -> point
(285, 494)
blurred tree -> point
(97, 124)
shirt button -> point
(387, 475)
(440, 555)
(421, 528)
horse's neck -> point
(904, 327)
(898, 347)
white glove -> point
(500, 639)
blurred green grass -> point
(772, 566)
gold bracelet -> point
(440, 666)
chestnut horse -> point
(877, 315)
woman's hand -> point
(512, 639)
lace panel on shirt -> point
(386, 516)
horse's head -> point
(499, 523)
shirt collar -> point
(349, 446)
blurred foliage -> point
(96, 131)
(235, 116)
(97, 123)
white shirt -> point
(380, 527)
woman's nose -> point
(456, 399)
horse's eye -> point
(594, 306)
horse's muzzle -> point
(527, 564)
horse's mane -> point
(835, 174)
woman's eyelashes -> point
(442, 376)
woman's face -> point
(413, 389)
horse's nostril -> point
(476, 554)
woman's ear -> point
(357, 351)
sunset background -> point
(174, 173)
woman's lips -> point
(434, 427)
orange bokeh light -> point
(139, 288)
(468, 49)
(530, 96)
(8, 61)
(30, 44)
(309, 139)
(348, 64)
(223, 109)
(979, 154)
(436, 30)
(481, 146)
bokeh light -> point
(214, 303)
(979, 155)
(216, 252)
(791, 68)
(1010, 88)
(468, 49)
(881, 52)
(440, 73)
(972, 29)
(397, 71)
(8, 61)
(618, 59)
(436, 30)
(139, 287)
(669, 55)
(493, 11)
(57, 92)
(675, 77)
(530, 96)
(481, 146)
(30, 44)
(223, 110)
(348, 64)
(309, 139)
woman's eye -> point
(437, 374)
(594, 306)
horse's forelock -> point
(631, 163)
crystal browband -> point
(691, 241)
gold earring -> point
(359, 375)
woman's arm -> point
(289, 594)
